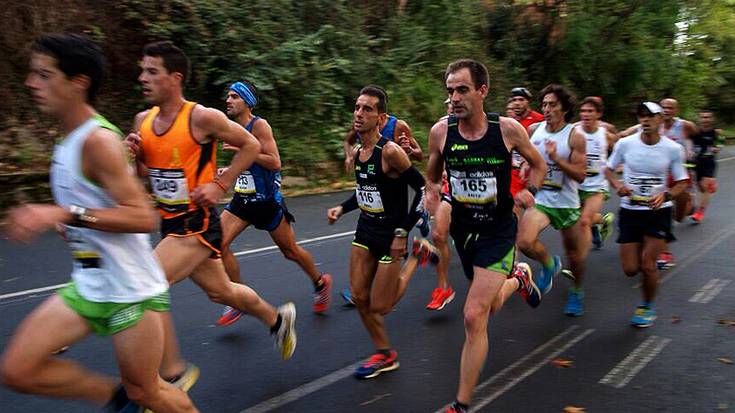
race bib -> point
(554, 178)
(474, 190)
(81, 251)
(369, 200)
(170, 189)
(245, 183)
(594, 164)
(644, 187)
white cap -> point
(652, 107)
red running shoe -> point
(440, 297)
(229, 316)
(323, 298)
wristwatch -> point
(400, 233)
(667, 196)
(532, 189)
(80, 216)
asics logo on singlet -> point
(371, 169)
(458, 147)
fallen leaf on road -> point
(562, 364)
(573, 409)
(675, 319)
(727, 322)
(725, 360)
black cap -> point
(521, 91)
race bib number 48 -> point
(474, 190)
(170, 189)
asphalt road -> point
(682, 364)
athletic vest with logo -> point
(703, 142)
(383, 200)
(558, 190)
(675, 132)
(479, 174)
(107, 267)
(257, 183)
(176, 162)
(596, 159)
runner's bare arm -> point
(611, 139)
(407, 141)
(576, 166)
(133, 141)
(516, 138)
(268, 157)
(629, 131)
(349, 146)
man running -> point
(174, 145)
(593, 191)
(383, 174)
(557, 202)
(705, 146)
(393, 129)
(645, 206)
(118, 289)
(475, 149)
(257, 200)
(520, 98)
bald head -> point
(670, 108)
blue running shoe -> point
(596, 237)
(574, 307)
(423, 224)
(643, 317)
(120, 403)
(545, 282)
(377, 364)
(347, 296)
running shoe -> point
(376, 364)
(286, 334)
(424, 252)
(423, 224)
(183, 381)
(574, 306)
(546, 281)
(229, 316)
(697, 217)
(643, 317)
(606, 228)
(120, 403)
(527, 287)
(323, 298)
(665, 261)
(440, 297)
(455, 408)
(596, 237)
(347, 296)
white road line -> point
(726, 159)
(239, 253)
(507, 378)
(709, 291)
(624, 372)
(303, 390)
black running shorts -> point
(264, 215)
(492, 248)
(634, 224)
(202, 223)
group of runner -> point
(492, 182)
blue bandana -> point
(244, 93)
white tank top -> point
(558, 190)
(675, 132)
(596, 159)
(108, 267)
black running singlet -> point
(479, 175)
(383, 200)
(703, 143)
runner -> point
(118, 289)
(681, 132)
(520, 98)
(174, 145)
(393, 129)
(645, 206)
(258, 201)
(557, 202)
(475, 148)
(706, 144)
(383, 174)
(593, 191)
(510, 108)
(443, 294)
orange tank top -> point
(176, 162)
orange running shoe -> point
(323, 298)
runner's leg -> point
(232, 226)
(27, 365)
